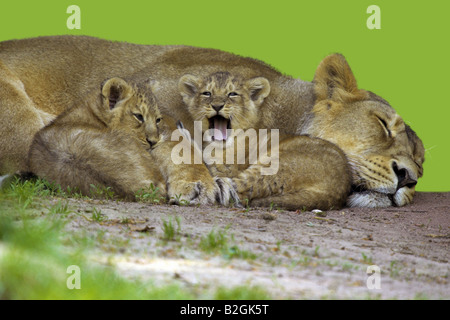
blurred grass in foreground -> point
(34, 260)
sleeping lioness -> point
(40, 78)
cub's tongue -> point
(220, 128)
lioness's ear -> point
(189, 85)
(335, 80)
(259, 89)
(115, 90)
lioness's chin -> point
(374, 199)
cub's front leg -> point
(189, 182)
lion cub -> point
(119, 139)
(309, 172)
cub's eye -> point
(158, 120)
(233, 94)
(206, 94)
(385, 126)
(139, 117)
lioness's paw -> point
(226, 192)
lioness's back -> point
(60, 70)
(75, 64)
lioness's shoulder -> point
(210, 60)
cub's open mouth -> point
(219, 125)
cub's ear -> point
(189, 86)
(335, 80)
(115, 90)
(259, 89)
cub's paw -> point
(192, 192)
(219, 190)
(226, 192)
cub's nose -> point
(403, 176)
(152, 142)
(218, 107)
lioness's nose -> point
(403, 176)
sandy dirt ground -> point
(291, 255)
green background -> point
(406, 62)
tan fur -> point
(117, 139)
(101, 143)
(312, 173)
(221, 84)
(42, 77)
(385, 154)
